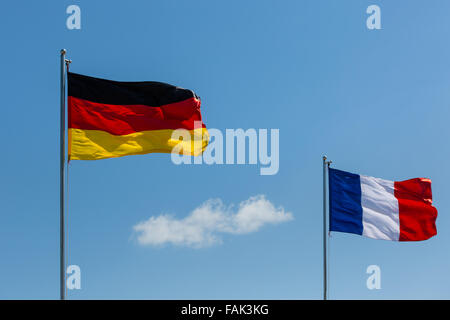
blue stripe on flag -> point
(345, 202)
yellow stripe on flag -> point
(97, 144)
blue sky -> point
(376, 102)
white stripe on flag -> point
(380, 209)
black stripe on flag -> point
(148, 93)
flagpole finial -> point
(63, 51)
(326, 162)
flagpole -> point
(326, 164)
(62, 273)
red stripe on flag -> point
(126, 119)
(416, 213)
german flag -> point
(109, 119)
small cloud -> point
(202, 227)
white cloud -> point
(204, 224)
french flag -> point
(381, 209)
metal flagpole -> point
(326, 165)
(62, 271)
